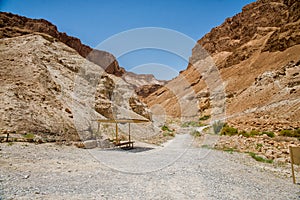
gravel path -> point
(175, 171)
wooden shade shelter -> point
(129, 143)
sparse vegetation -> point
(229, 150)
(205, 117)
(259, 146)
(29, 136)
(192, 124)
(167, 131)
(290, 133)
(254, 133)
(230, 131)
(206, 129)
(196, 133)
(259, 158)
(206, 146)
(165, 134)
(165, 128)
(270, 134)
(227, 130)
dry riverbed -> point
(51, 171)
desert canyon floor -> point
(181, 171)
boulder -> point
(90, 144)
(104, 143)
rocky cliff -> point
(13, 25)
(264, 26)
(144, 84)
(48, 89)
(256, 58)
(139, 80)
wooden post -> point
(7, 136)
(117, 139)
(98, 130)
(292, 163)
(129, 133)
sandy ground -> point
(176, 170)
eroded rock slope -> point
(256, 53)
(47, 88)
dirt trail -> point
(178, 171)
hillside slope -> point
(12, 25)
(260, 43)
(47, 88)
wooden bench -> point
(117, 141)
(128, 144)
(4, 137)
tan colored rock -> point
(48, 89)
(280, 160)
(14, 25)
(259, 146)
(138, 107)
(257, 55)
(90, 144)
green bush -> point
(244, 133)
(259, 158)
(165, 128)
(290, 133)
(227, 130)
(254, 133)
(230, 131)
(258, 146)
(167, 131)
(29, 136)
(196, 133)
(192, 124)
(185, 124)
(229, 150)
(205, 117)
(165, 134)
(270, 134)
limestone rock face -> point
(13, 25)
(256, 55)
(276, 18)
(138, 107)
(272, 101)
(47, 88)
(145, 90)
(140, 80)
(104, 92)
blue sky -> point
(94, 21)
